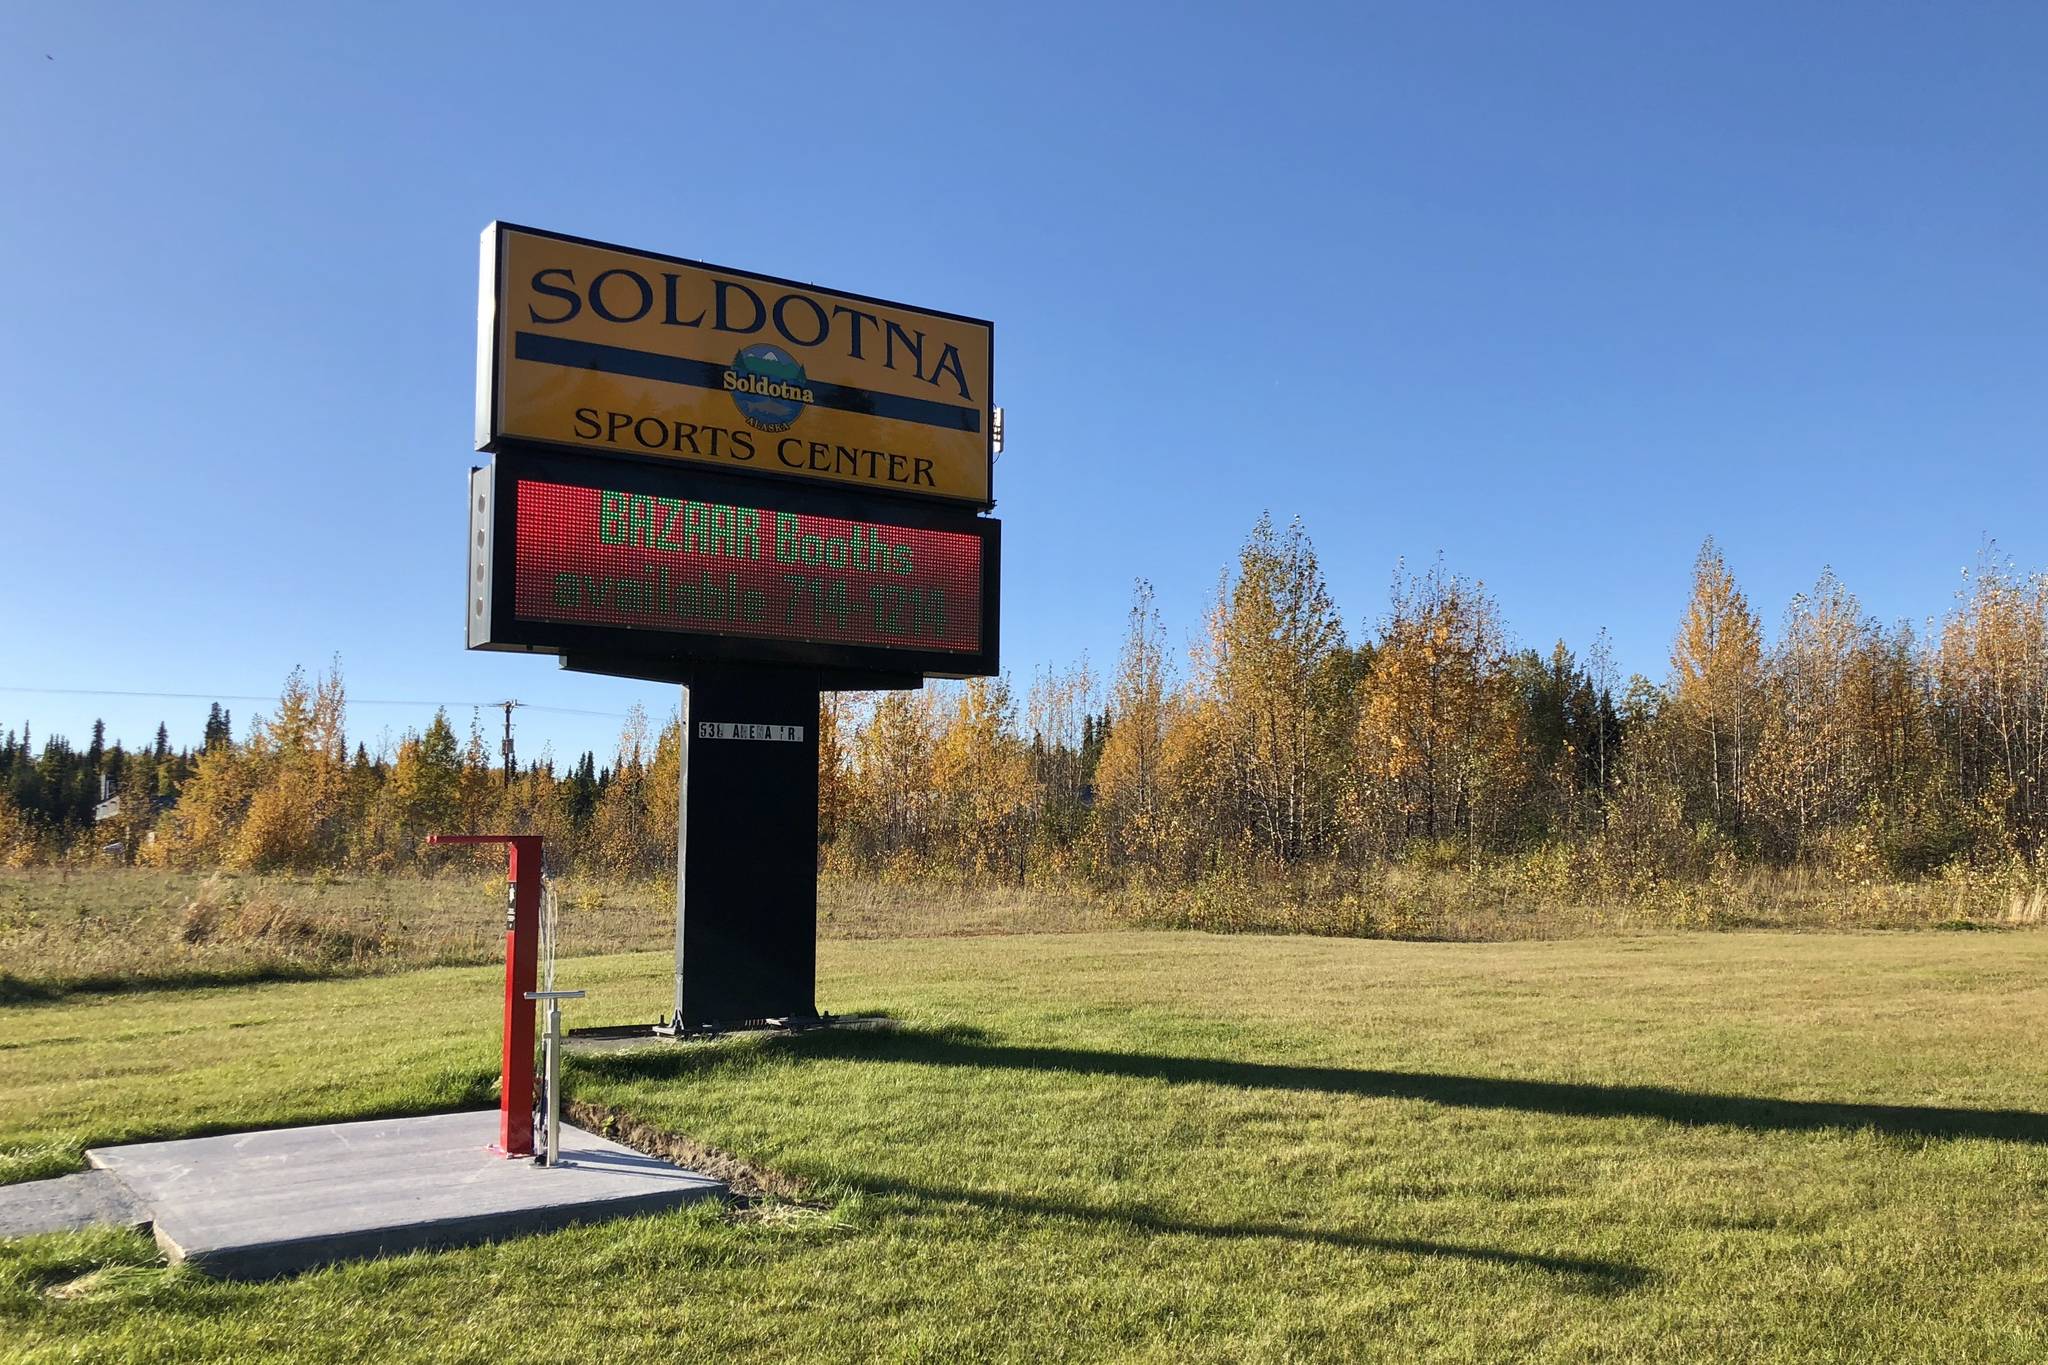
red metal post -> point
(522, 965)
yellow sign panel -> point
(583, 344)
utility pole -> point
(506, 749)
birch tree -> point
(1715, 664)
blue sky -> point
(1555, 290)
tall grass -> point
(109, 929)
(1546, 897)
(64, 931)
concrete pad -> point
(254, 1205)
(69, 1203)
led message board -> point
(599, 347)
(609, 558)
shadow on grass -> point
(1603, 1277)
(971, 1049)
(17, 990)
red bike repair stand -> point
(522, 962)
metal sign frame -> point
(675, 655)
(490, 434)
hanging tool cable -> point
(550, 923)
(544, 950)
(547, 1117)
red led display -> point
(596, 556)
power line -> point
(352, 701)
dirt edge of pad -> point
(746, 1181)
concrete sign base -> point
(255, 1205)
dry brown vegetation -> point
(98, 929)
(108, 929)
(1501, 901)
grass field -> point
(1154, 1146)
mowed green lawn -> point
(1157, 1146)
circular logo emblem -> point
(768, 387)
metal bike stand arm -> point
(551, 1066)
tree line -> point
(1860, 750)
(1838, 743)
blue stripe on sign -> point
(703, 374)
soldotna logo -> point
(768, 386)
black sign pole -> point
(682, 848)
(747, 849)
